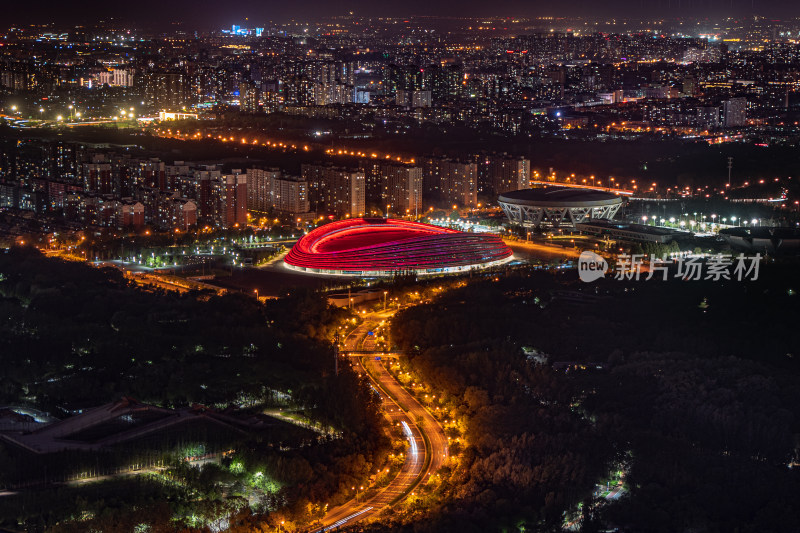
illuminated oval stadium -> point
(384, 247)
(558, 206)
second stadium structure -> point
(558, 206)
(378, 247)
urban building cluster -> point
(526, 76)
(99, 186)
(375, 78)
(108, 186)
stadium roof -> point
(376, 247)
(560, 197)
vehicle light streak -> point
(407, 431)
(346, 519)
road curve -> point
(427, 450)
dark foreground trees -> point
(74, 337)
(697, 405)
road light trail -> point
(343, 521)
(410, 436)
(427, 443)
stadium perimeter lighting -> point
(379, 247)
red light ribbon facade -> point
(360, 245)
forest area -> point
(74, 337)
(684, 387)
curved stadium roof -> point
(374, 247)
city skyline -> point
(400, 273)
(209, 15)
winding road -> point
(427, 443)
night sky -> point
(205, 14)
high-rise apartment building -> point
(249, 97)
(734, 112)
(509, 174)
(459, 182)
(290, 195)
(403, 190)
(339, 191)
(229, 196)
(259, 188)
(115, 78)
(345, 192)
(97, 177)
